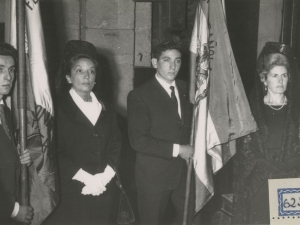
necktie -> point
(4, 121)
(173, 97)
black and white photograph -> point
(149, 112)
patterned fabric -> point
(4, 121)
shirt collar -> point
(78, 99)
(163, 83)
(1, 102)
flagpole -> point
(22, 95)
(188, 178)
(190, 165)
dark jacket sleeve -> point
(113, 151)
(139, 125)
(7, 197)
(7, 204)
(67, 167)
(9, 171)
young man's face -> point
(7, 74)
(168, 65)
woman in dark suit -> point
(89, 141)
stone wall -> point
(109, 25)
(121, 31)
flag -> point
(222, 113)
(42, 196)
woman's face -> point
(277, 80)
(83, 75)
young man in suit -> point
(159, 117)
(10, 164)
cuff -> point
(81, 176)
(16, 210)
(175, 150)
(109, 172)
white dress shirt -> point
(1, 103)
(166, 86)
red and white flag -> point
(222, 113)
(43, 197)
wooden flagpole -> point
(22, 95)
(192, 92)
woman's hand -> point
(25, 158)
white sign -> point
(284, 198)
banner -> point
(43, 197)
(222, 113)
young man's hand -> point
(25, 158)
(186, 152)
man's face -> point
(168, 65)
(7, 74)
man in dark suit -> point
(159, 117)
(10, 166)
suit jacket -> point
(154, 126)
(83, 145)
(9, 173)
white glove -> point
(87, 191)
(105, 177)
(93, 185)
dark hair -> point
(70, 62)
(74, 50)
(164, 46)
(8, 50)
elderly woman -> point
(89, 141)
(272, 151)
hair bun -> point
(74, 47)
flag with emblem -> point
(222, 113)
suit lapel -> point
(103, 114)
(183, 103)
(73, 110)
(164, 96)
(81, 118)
(4, 138)
(161, 91)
